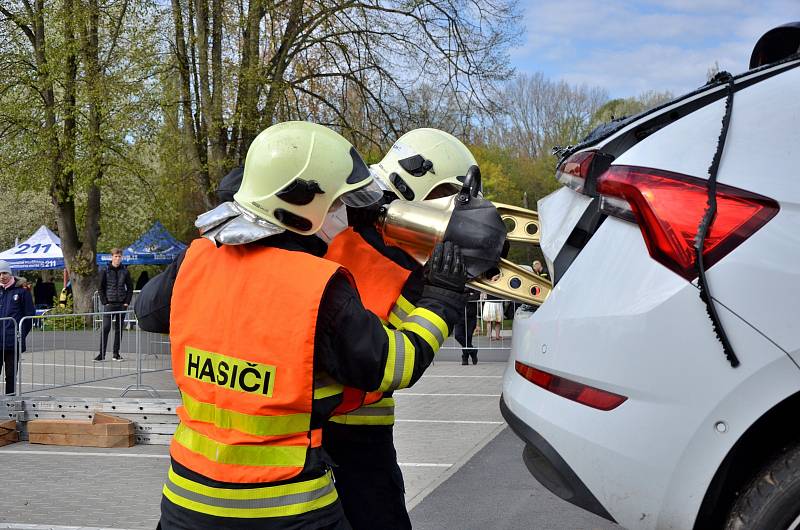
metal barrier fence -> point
(97, 307)
(476, 330)
(63, 349)
(60, 349)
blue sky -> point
(628, 47)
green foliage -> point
(622, 107)
(68, 322)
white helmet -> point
(425, 164)
(294, 172)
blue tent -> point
(155, 247)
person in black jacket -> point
(116, 291)
(15, 302)
(465, 327)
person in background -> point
(539, 269)
(16, 303)
(44, 293)
(116, 291)
(465, 328)
(65, 297)
(493, 314)
(142, 280)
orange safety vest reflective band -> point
(245, 370)
(380, 283)
(271, 501)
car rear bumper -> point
(547, 466)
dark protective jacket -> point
(363, 252)
(351, 346)
(116, 285)
(17, 303)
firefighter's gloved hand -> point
(445, 268)
(367, 216)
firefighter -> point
(422, 164)
(265, 334)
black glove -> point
(445, 268)
(368, 215)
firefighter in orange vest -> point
(268, 337)
(422, 164)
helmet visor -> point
(364, 196)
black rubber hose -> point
(705, 225)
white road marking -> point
(77, 453)
(26, 526)
(444, 395)
(468, 422)
(463, 376)
(402, 464)
(79, 385)
(132, 455)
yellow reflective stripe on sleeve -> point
(325, 386)
(271, 501)
(246, 455)
(404, 305)
(400, 311)
(250, 424)
(428, 325)
(394, 320)
(378, 413)
(399, 362)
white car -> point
(629, 404)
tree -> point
(71, 85)
(540, 114)
(346, 63)
(623, 107)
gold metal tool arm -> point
(515, 283)
(523, 224)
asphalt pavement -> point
(493, 489)
(462, 466)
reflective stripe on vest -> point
(270, 501)
(379, 413)
(247, 423)
(247, 384)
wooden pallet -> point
(154, 420)
(8, 432)
(103, 430)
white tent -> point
(40, 251)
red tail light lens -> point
(574, 170)
(668, 208)
(583, 394)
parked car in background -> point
(619, 384)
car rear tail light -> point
(583, 394)
(575, 169)
(668, 208)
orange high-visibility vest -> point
(242, 323)
(379, 281)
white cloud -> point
(629, 47)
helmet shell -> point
(295, 171)
(433, 157)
